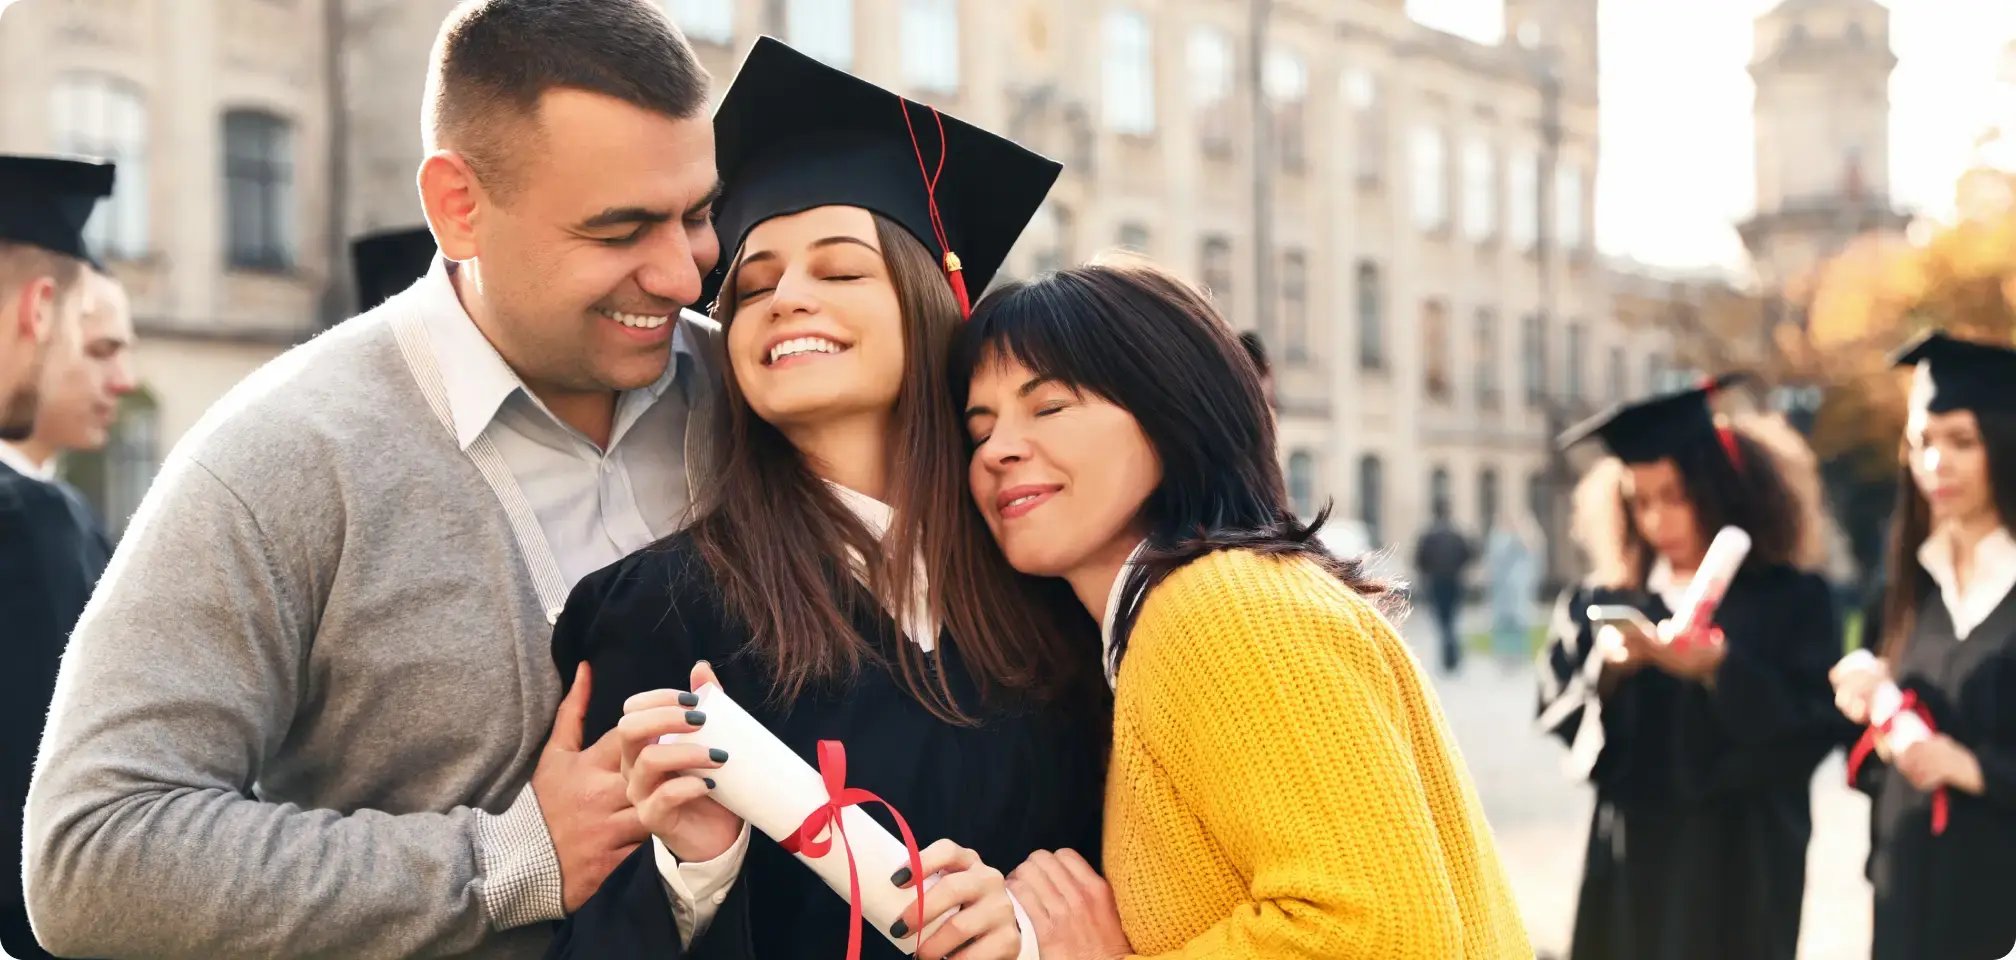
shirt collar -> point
(1114, 598)
(475, 374)
(918, 624)
(17, 461)
(1994, 575)
(1661, 582)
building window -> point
(1435, 349)
(1540, 500)
(1522, 199)
(1212, 84)
(1574, 386)
(1134, 236)
(1295, 305)
(1480, 191)
(1371, 318)
(1361, 92)
(1569, 215)
(707, 21)
(259, 190)
(1618, 375)
(1302, 483)
(1428, 156)
(822, 29)
(1049, 237)
(931, 44)
(115, 477)
(1287, 85)
(1439, 500)
(1856, 38)
(1533, 358)
(1371, 493)
(1487, 498)
(100, 116)
(1214, 267)
(1487, 359)
(1129, 74)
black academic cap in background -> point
(1649, 430)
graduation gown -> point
(1698, 845)
(1950, 896)
(51, 554)
(1022, 780)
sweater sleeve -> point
(1289, 726)
(145, 837)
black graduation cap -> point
(1645, 431)
(1965, 374)
(45, 201)
(793, 133)
(389, 261)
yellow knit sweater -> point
(1283, 784)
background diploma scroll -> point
(1719, 565)
(774, 789)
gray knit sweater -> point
(299, 717)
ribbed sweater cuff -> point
(518, 868)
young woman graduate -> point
(1702, 753)
(1283, 783)
(1944, 815)
(836, 578)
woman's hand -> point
(1071, 907)
(667, 782)
(983, 929)
(1855, 680)
(1940, 761)
(1694, 657)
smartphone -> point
(1622, 617)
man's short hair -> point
(494, 59)
(21, 262)
(1256, 351)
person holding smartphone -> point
(1701, 746)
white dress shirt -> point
(711, 880)
(17, 461)
(594, 505)
(1991, 577)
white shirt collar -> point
(1114, 597)
(917, 623)
(1661, 582)
(1993, 576)
(17, 461)
(475, 374)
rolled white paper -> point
(1886, 705)
(774, 789)
(1704, 593)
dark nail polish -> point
(902, 879)
(695, 717)
(717, 754)
(689, 699)
(900, 930)
(709, 781)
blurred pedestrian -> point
(1441, 557)
(1512, 560)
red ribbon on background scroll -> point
(1867, 745)
(814, 840)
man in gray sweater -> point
(311, 710)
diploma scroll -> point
(1895, 716)
(1719, 565)
(773, 788)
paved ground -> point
(1542, 820)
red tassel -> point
(957, 276)
(1729, 446)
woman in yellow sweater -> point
(1282, 781)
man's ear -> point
(35, 310)
(452, 198)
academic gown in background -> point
(1952, 896)
(1023, 780)
(51, 554)
(1698, 846)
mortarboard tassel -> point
(954, 273)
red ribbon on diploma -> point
(1867, 745)
(814, 840)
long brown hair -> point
(1775, 498)
(1133, 334)
(1911, 524)
(776, 538)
